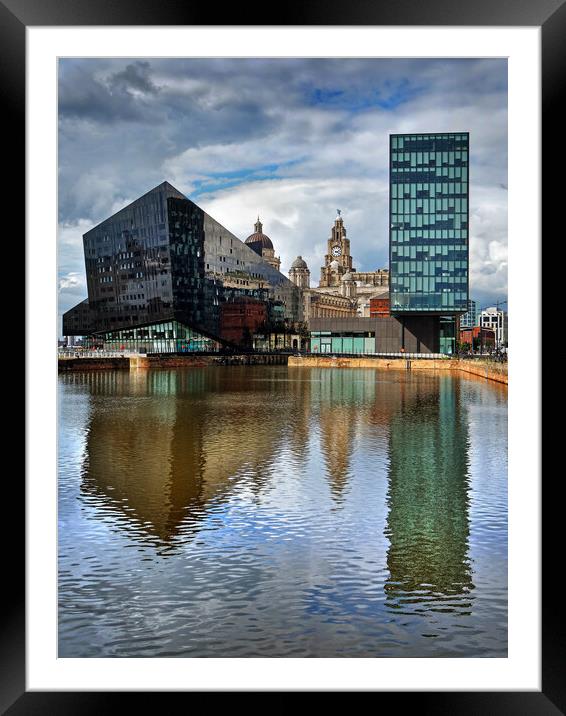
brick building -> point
(379, 307)
(240, 319)
(478, 338)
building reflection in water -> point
(428, 521)
(157, 467)
(342, 399)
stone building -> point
(338, 275)
(299, 273)
(342, 291)
(327, 305)
(337, 260)
(263, 246)
(333, 303)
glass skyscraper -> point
(429, 221)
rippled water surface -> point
(274, 511)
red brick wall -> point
(467, 335)
(239, 320)
(379, 308)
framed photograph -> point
(238, 511)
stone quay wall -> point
(483, 369)
(103, 363)
(168, 361)
(184, 361)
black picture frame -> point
(15, 16)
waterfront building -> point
(385, 334)
(339, 279)
(479, 339)
(471, 317)
(160, 269)
(327, 305)
(299, 273)
(379, 306)
(240, 319)
(317, 303)
(263, 246)
(495, 319)
(429, 230)
(339, 262)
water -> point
(274, 511)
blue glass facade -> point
(429, 223)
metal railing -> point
(408, 356)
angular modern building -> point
(429, 232)
(160, 269)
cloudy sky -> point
(289, 139)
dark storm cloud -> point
(135, 77)
(85, 96)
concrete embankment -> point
(483, 369)
(104, 363)
(185, 361)
(168, 361)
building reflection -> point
(428, 521)
(342, 398)
(163, 465)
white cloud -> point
(71, 281)
(246, 137)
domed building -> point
(263, 246)
(348, 286)
(299, 273)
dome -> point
(258, 240)
(347, 277)
(334, 265)
(299, 262)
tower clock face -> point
(336, 251)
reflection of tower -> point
(428, 523)
(338, 260)
(299, 273)
(300, 426)
(341, 400)
(262, 245)
(337, 427)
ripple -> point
(281, 512)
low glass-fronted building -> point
(167, 337)
(337, 342)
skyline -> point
(290, 140)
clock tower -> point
(337, 260)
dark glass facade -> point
(429, 222)
(163, 259)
